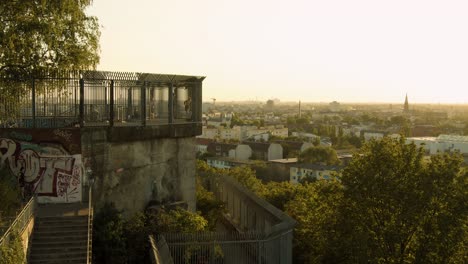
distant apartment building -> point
(293, 146)
(227, 162)
(307, 170)
(265, 151)
(247, 150)
(209, 132)
(369, 134)
(202, 144)
(229, 133)
(442, 143)
(251, 131)
(221, 133)
(243, 132)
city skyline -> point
(314, 51)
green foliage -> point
(315, 207)
(210, 207)
(280, 193)
(320, 154)
(9, 193)
(109, 242)
(177, 221)
(48, 34)
(247, 177)
(400, 209)
(13, 252)
(136, 230)
(236, 120)
(43, 35)
(389, 206)
(116, 240)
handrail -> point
(90, 226)
(21, 220)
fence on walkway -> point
(98, 98)
(263, 234)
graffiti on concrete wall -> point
(48, 169)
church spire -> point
(406, 107)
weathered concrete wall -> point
(26, 235)
(48, 160)
(131, 173)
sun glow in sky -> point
(309, 50)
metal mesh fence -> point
(93, 98)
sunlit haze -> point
(316, 51)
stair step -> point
(58, 255)
(48, 239)
(64, 220)
(60, 239)
(61, 228)
(69, 249)
(61, 232)
(58, 243)
(64, 261)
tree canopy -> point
(51, 34)
(391, 205)
(403, 209)
(320, 154)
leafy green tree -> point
(9, 193)
(280, 193)
(209, 206)
(320, 154)
(136, 231)
(177, 221)
(400, 209)
(39, 34)
(315, 207)
(13, 252)
(109, 242)
(42, 35)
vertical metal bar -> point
(106, 105)
(75, 102)
(33, 100)
(129, 104)
(81, 118)
(111, 113)
(143, 104)
(170, 106)
(198, 102)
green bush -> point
(13, 252)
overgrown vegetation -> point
(12, 252)
(389, 206)
(10, 195)
(117, 240)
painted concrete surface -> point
(130, 174)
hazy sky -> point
(309, 50)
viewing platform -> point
(156, 103)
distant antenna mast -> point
(214, 101)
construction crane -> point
(214, 101)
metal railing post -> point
(111, 110)
(90, 225)
(81, 102)
(33, 100)
(170, 106)
(143, 104)
(198, 103)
